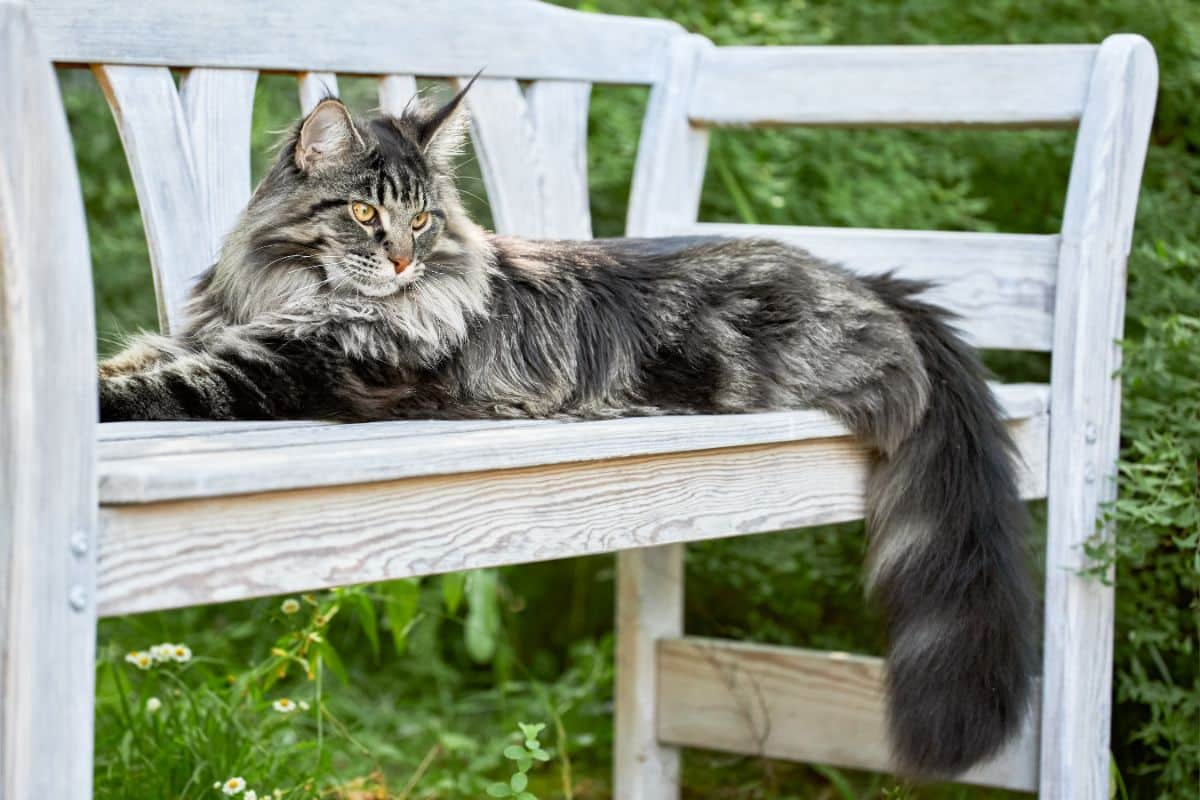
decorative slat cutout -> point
(275, 458)
(218, 105)
(1001, 284)
(158, 144)
(798, 705)
(1004, 85)
(315, 87)
(395, 93)
(188, 552)
(532, 149)
(453, 37)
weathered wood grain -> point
(532, 150)
(218, 105)
(158, 145)
(669, 171)
(47, 424)
(1000, 284)
(286, 457)
(798, 705)
(187, 552)
(515, 39)
(1096, 234)
(1004, 85)
(649, 609)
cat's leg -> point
(199, 385)
(144, 351)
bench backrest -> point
(1061, 293)
(188, 148)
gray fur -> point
(307, 313)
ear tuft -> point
(440, 133)
(327, 133)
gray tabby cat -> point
(355, 287)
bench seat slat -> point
(1005, 85)
(477, 499)
(240, 460)
(798, 705)
(1000, 284)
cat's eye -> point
(420, 220)
(362, 212)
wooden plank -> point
(798, 705)
(47, 419)
(532, 151)
(456, 37)
(158, 145)
(218, 105)
(649, 608)
(1096, 236)
(668, 174)
(190, 552)
(324, 455)
(395, 93)
(995, 85)
(1000, 284)
(315, 87)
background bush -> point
(533, 643)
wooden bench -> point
(114, 519)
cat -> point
(355, 287)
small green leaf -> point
(531, 729)
(400, 607)
(514, 752)
(518, 782)
(481, 631)
(532, 744)
(499, 790)
(526, 796)
(540, 754)
(524, 764)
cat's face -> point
(361, 207)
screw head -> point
(1089, 473)
(77, 597)
(79, 544)
(1089, 432)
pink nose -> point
(401, 263)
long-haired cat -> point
(355, 287)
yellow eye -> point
(420, 220)
(362, 212)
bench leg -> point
(47, 437)
(649, 608)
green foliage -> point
(413, 686)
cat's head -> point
(360, 207)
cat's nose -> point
(400, 263)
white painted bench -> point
(114, 519)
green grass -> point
(417, 688)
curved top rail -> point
(516, 39)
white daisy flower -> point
(233, 786)
(284, 706)
(303, 706)
(290, 606)
(140, 659)
(180, 653)
(153, 704)
(250, 795)
(161, 652)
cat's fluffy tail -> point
(948, 562)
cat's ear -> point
(441, 132)
(327, 134)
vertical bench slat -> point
(395, 93)
(665, 193)
(534, 161)
(47, 437)
(218, 105)
(158, 145)
(315, 87)
(1085, 415)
